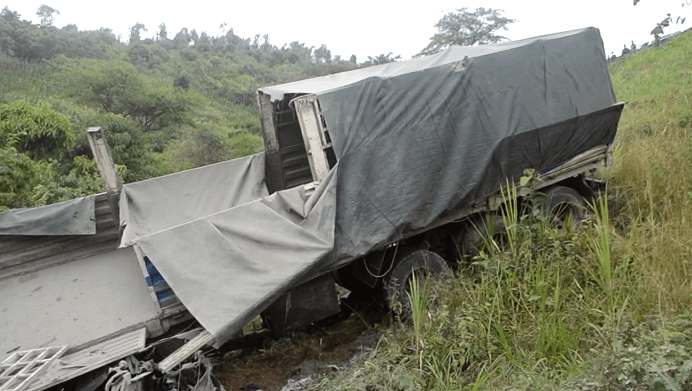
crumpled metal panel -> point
(79, 362)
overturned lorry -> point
(367, 176)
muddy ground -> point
(291, 363)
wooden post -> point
(185, 351)
(275, 176)
(109, 174)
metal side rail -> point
(594, 158)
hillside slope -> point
(166, 104)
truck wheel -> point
(397, 284)
(563, 204)
(478, 232)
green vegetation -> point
(166, 104)
(602, 306)
(32, 136)
(468, 28)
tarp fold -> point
(229, 266)
(74, 217)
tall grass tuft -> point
(418, 299)
(600, 246)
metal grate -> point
(88, 359)
(21, 368)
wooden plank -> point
(104, 160)
(273, 166)
(103, 210)
(106, 226)
(185, 351)
(19, 248)
(302, 173)
(13, 242)
(22, 243)
(106, 166)
(271, 143)
(45, 263)
(57, 247)
(299, 160)
(292, 149)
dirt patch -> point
(289, 362)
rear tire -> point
(422, 263)
(477, 233)
(564, 204)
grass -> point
(418, 297)
(603, 306)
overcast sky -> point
(362, 27)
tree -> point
(147, 54)
(32, 138)
(203, 39)
(135, 32)
(182, 39)
(468, 28)
(19, 176)
(322, 55)
(298, 53)
(10, 16)
(382, 59)
(163, 32)
(118, 88)
(182, 82)
(19, 38)
(37, 130)
(46, 14)
(658, 30)
(201, 147)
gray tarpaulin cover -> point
(160, 203)
(415, 140)
(74, 217)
